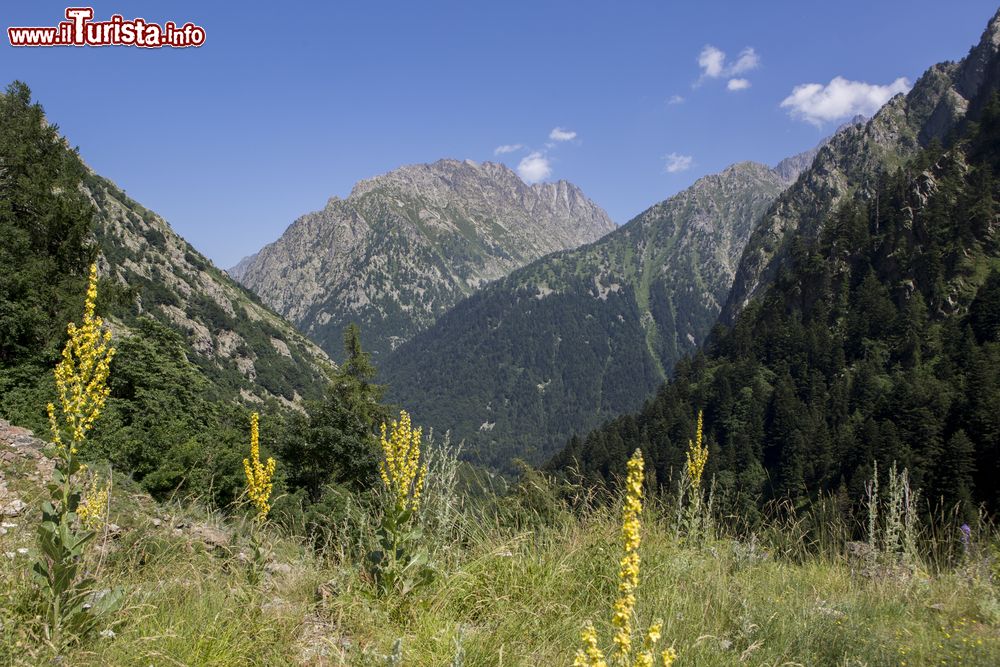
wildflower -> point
(628, 573)
(400, 469)
(590, 655)
(82, 374)
(82, 385)
(966, 538)
(259, 485)
(628, 582)
(697, 456)
(93, 505)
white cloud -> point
(711, 61)
(748, 60)
(559, 134)
(677, 162)
(507, 148)
(841, 98)
(534, 167)
(675, 99)
(738, 84)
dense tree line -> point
(878, 342)
(174, 420)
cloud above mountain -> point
(675, 162)
(713, 65)
(507, 148)
(559, 134)
(839, 99)
(534, 167)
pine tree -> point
(336, 442)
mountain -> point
(406, 246)
(851, 163)
(239, 342)
(194, 349)
(790, 168)
(582, 335)
(869, 333)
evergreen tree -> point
(45, 222)
(335, 442)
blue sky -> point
(290, 103)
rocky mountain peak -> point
(406, 245)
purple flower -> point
(966, 537)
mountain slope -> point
(193, 348)
(582, 335)
(850, 164)
(243, 346)
(406, 246)
(876, 340)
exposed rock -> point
(13, 508)
(211, 536)
(406, 246)
(851, 162)
(179, 287)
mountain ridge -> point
(858, 156)
(583, 334)
(872, 341)
(406, 245)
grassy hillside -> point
(517, 579)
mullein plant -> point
(694, 516)
(399, 564)
(625, 652)
(259, 487)
(72, 606)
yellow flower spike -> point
(628, 573)
(93, 506)
(697, 457)
(668, 656)
(400, 468)
(82, 373)
(590, 655)
(259, 475)
(628, 583)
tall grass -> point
(518, 577)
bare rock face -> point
(242, 344)
(854, 158)
(406, 246)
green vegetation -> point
(517, 581)
(581, 336)
(876, 343)
(44, 245)
(177, 407)
(815, 487)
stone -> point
(13, 508)
(278, 568)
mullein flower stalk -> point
(697, 457)
(259, 475)
(92, 510)
(69, 518)
(623, 654)
(401, 469)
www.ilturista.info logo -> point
(81, 30)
